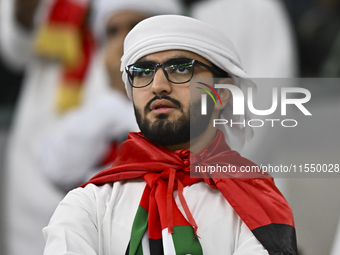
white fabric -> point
(70, 153)
(98, 220)
(30, 198)
(168, 243)
(169, 32)
(103, 9)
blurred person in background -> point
(10, 81)
(65, 71)
(73, 151)
(29, 199)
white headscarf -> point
(175, 32)
(104, 9)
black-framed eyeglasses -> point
(176, 70)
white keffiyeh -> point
(175, 32)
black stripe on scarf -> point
(156, 247)
(275, 235)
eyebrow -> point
(175, 56)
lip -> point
(162, 106)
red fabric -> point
(71, 13)
(111, 154)
(256, 200)
(162, 209)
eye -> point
(181, 68)
(142, 70)
(145, 72)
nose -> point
(160, 84)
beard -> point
(167, 132)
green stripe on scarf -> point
(138, 228)
(185, 241)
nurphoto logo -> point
(240, 101)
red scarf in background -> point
(66, 36)
(256, 200)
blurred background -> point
(304, 36)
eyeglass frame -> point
(214, 69)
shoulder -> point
(95, 192)
(92, 203)
(100, 195)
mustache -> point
(166, 97)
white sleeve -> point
(73, 228)
(15, 42)
(247, 244)
(69, 154)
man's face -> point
(118, 26)
(163, 108)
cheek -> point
(184, 97)
(140, 98)
(195, 94)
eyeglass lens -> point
(178, 70)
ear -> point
(224, 94)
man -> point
(147, 203)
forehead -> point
(163, 56)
